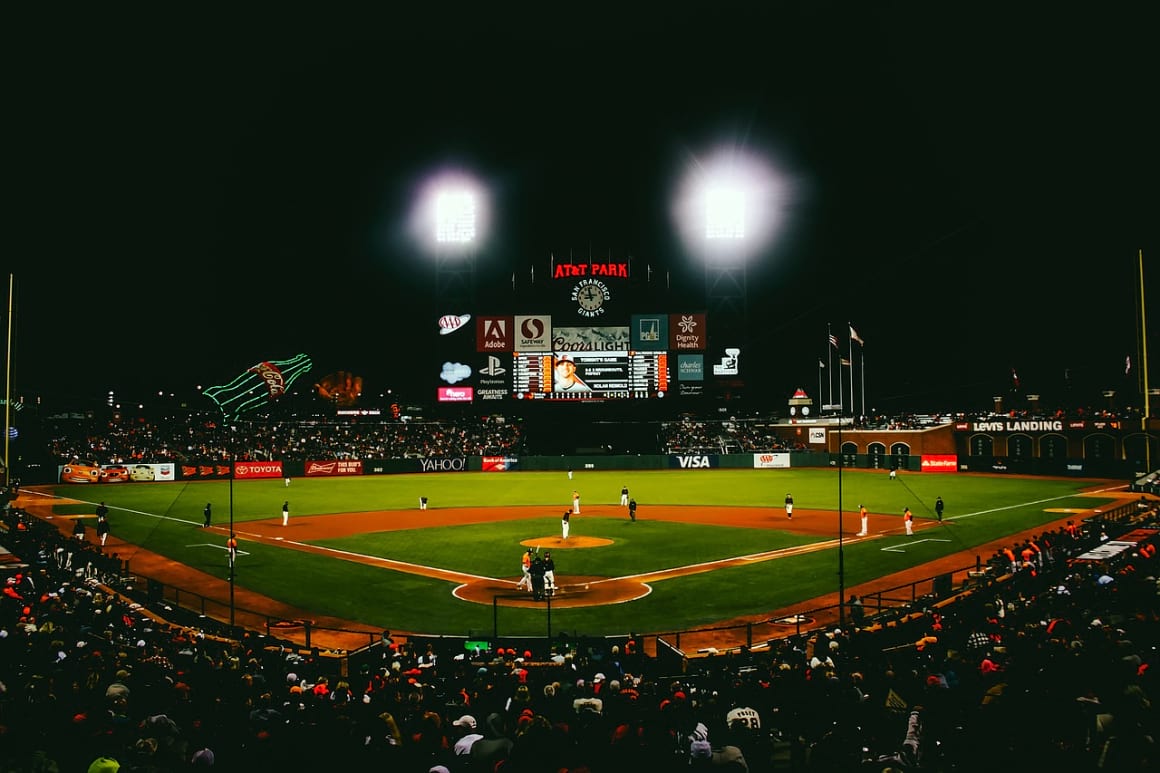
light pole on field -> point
(230, 547)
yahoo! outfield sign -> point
(448, 464)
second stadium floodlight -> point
(724, 213)
(455, 217)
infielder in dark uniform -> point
(537, 572)
(549, 573)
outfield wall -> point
(896, 459)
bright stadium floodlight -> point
(730, 205)
(450, 214)
(455, 217)
(724, 213)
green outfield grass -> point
(164, 518)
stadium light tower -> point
(450, 222)
(455, 217)
(727, 210)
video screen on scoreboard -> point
(590, 375)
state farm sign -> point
(940, 463)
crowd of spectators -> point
(1051, 663)
(690, 435)
(205, 438)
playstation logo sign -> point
(492, 368)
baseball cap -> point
(104, 765)
(202, 757)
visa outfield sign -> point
(693, 461)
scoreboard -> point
(584, 334)
(620, 374)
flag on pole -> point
(855, 337)
(833, 340)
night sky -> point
(970, 191)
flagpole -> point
(8, 383)
(1143, 361)
(862, 363)
(841, 400)
(830, 362)
(821, 365)
(852, 405)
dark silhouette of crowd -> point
(206, 438)
(1052, 664)
(690, 435)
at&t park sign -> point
(576, 270)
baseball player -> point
(526, 568)
(549, 573)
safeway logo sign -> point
(532, 333)
(692, 462)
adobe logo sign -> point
(456, 394)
